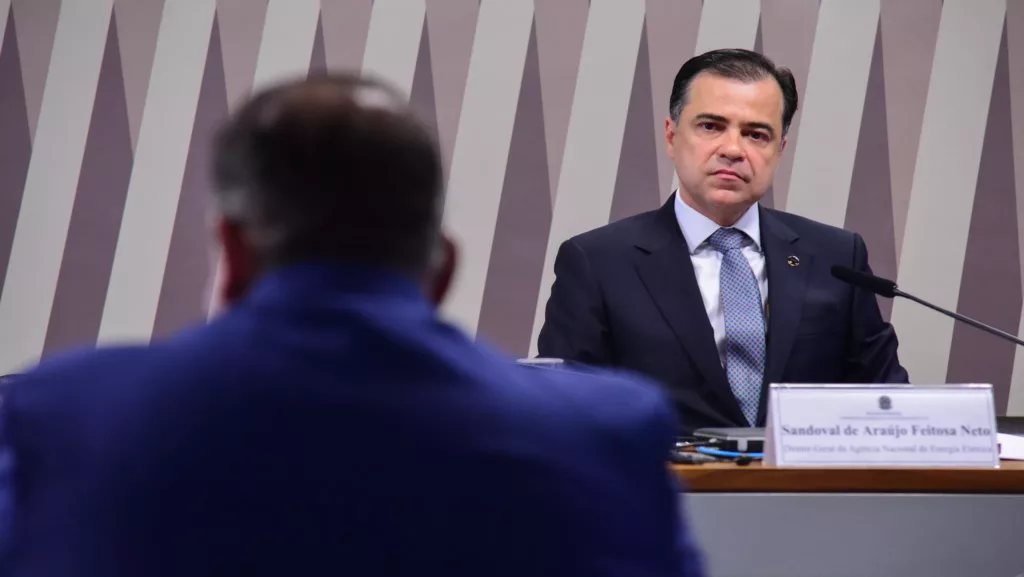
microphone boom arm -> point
(960, 317)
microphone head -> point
(878, 285)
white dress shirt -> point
(707, 262)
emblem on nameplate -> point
(884, 403)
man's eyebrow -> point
(761, 125)
(713, 117)
(719, 118)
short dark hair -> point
(331, 167)
(737, 64)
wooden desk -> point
(727, 477)
(757, 520)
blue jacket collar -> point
(308, 280)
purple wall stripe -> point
(787, 31)
(520, 241)
(451, 26)
(758, 41)
(96, 214)
(346, 24)
(138, 25)
(636, 185)
(768, 200)
(318, 57)
(990, 290)
(1015, 58)
(869, 210)
(909, 30)
(241, 29)
(188, 265)
(672, 27)
(37, 23)
(15, 143)
(421, 96)
(560, 26)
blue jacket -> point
(330, 424)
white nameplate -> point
(881, 426)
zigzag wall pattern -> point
(549, 116)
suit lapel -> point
(787, 284)
(666, 270)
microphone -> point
(878, 285)
(887, 288)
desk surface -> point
(755, 478)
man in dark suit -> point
(327, 422)
(713, 295)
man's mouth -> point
(727, 175)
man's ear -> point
(237, 266)
(782, 145)
(670, 137)
(442, 271)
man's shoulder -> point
(93, 378)
(624, 232)
(594, 399)
(806, 227)
(617, 419)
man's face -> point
(726, 144)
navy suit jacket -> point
(626, 295)
(331, 425)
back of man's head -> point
(333, 168)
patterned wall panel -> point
(549, 115)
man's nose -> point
(730, 147)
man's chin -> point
(727, 197)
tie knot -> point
(725, 239)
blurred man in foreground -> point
(327, 423)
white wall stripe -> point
(725, 25)
(393, 43)
(594, 140)
(728, 25)
(286, 47)
(481, 148)
(945, 178)
(844, 41)
(289, 33)
(52, 180)
(150, 208)
(1015, 404)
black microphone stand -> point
(959, 317)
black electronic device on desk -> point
(734, 439)
(1010, 425)
(717, 444)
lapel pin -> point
(792, 260)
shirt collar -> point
(697, 228)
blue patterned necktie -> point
(744, 321)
